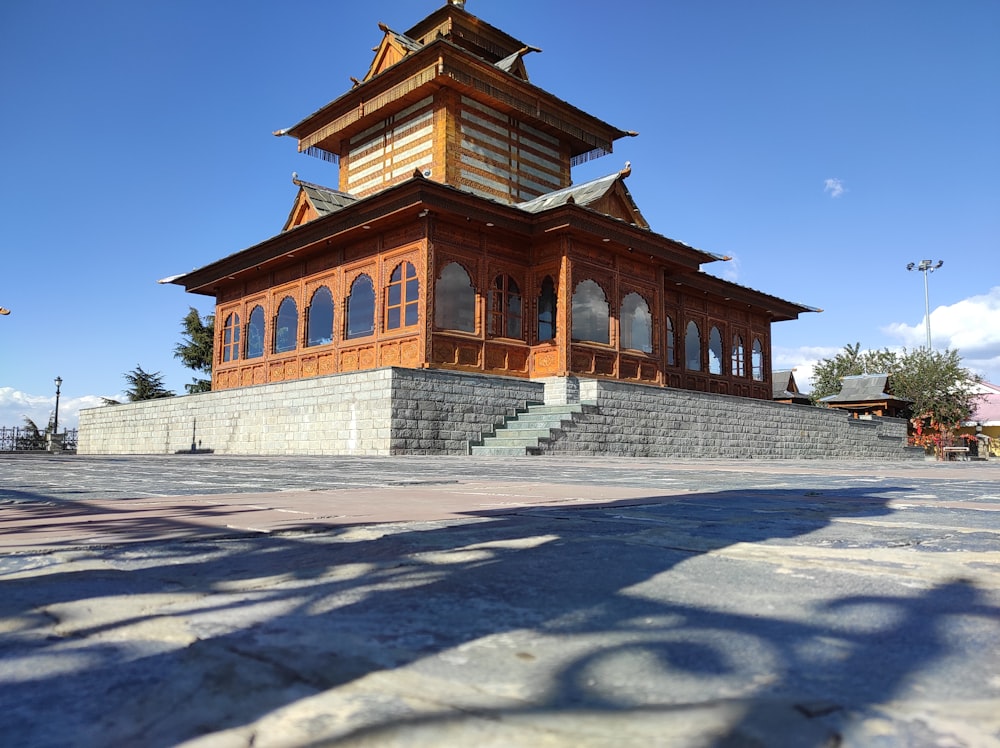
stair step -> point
(489, 451)
(521, 434)
(526, 435)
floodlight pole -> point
(926, 267)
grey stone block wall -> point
(377, 412)
(426, 411)
(338, 414)
(440, 412)
(636, 420)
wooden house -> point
(784, 388)
(869, 395)
(456, 239)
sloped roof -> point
(784, 387)
(581, 194)
(324, 199)
(863, 388)
(514, 64)
(411, 45)
(587, 194)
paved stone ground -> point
(226, 601)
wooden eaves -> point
(442, 63)
(405, 201)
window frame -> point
(738, 366)
(543, 304)
(252, 323)
(455, 305)
(576, 313)
(310, 319)
(716, 351)
(630, 327)
(231, 334)
(406, 282)
(505, 308)
(687, 346)
(671, 330)
(757, 360)
(283, 307)
(353, 296)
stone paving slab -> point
(540, 602)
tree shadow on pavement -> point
(709, 612)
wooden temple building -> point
(456, 239)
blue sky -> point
(822, 145)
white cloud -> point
(729, 270)
(835, 187)
(970, 326)
(15, 406)
(802, 361)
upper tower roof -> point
(453, 50)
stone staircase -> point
(527, 432)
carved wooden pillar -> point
(564, 317)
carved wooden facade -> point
(456, 240)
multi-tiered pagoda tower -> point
(455, 239)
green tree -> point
(940, 388)
(31, 437)
(942, 391)
(852, 361)
(196, 348)
(144, 385)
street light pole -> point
(926, 267)
(55, 419)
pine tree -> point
(144, 385)
(197, 347)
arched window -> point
(505, 308)
(286, 326)
(739, 357)
(361, 308)
(547, 310)
(590, 313)
(455, 300)
(636, 324)
(320, 317)
(671, 342)
(714, 351)
(757, 360)
(255, 333)
(231, 338)
(401, 309)
(692, 347)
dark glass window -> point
(455, 300)
(401, 297)
(692, 347)
(320, 317)
(286, 326)
(231, 338)
(636, 324)
(757, 360)
(714, 351)
(547, 310)
(590, 313)
(255, 333)
(671, 342)
(505, 308)
(739, 357)
(361, 308)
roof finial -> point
(457, 3)
(626, 171)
